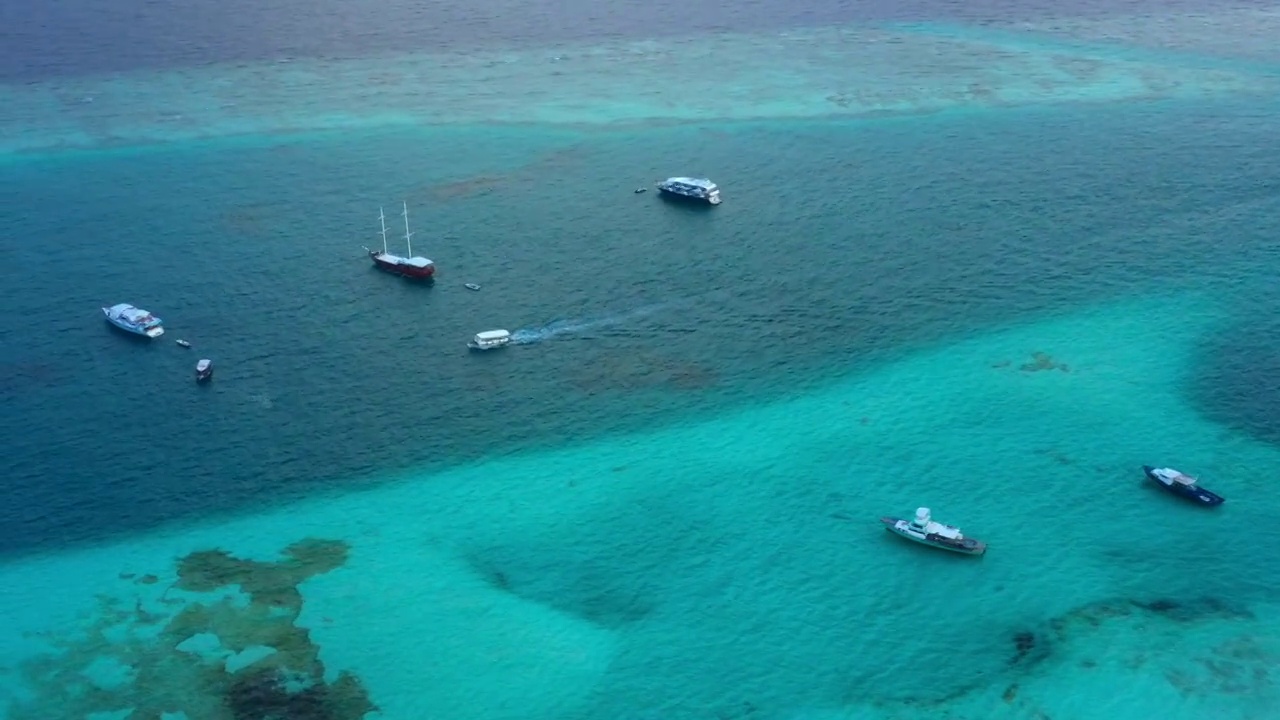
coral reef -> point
(1241, 666)
(644, 371)
(1043, 361)
(180, 656)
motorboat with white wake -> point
(924, 530)
(1182, 485)
(134, 320)
(490, 340)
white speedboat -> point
(490, 340)
(134, 320)
(924, 530)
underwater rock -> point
(273, 584)
(1042, 361)
(644, 371)
(1028, 649)
(1193, 609)
(274, 695)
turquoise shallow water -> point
(666, 507)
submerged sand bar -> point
(836, 71)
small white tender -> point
(490, 340)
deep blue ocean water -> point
(87, 36)
(851, 258)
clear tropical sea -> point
(989, 263)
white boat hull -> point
(151, 332)
(964, 546)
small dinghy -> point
(183, 343)
(640, 190)
(471, 286)
(1182, 485)
(204, 370)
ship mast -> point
(383, 219)
(407, 235)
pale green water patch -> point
(737, 563)
(838, 71)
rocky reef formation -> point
(230, 651)
(1237, 663)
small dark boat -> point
(1184, 486)
(640, 190)
(204, 370)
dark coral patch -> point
(1041, 361)
(168, 676)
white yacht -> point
(923, 529)
(688, 188)
(134, 320)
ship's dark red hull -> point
(416, 272)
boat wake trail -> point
(558, 328)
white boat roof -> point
(696, 182)
(129, 313)
(492, 335)
(1176, 476)
(417, 262)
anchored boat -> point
(924, 530)
(134, 320)
(687, 188)
(1182, 485)
(415, 267)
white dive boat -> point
(134, 320)
(204, 370)
(924, 530)
(490, 340)
(689, 188)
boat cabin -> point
(489, 340)
(1185, 480)
(923, 523)
(699, 188)
(921, 520)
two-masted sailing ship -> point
(412, 266)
